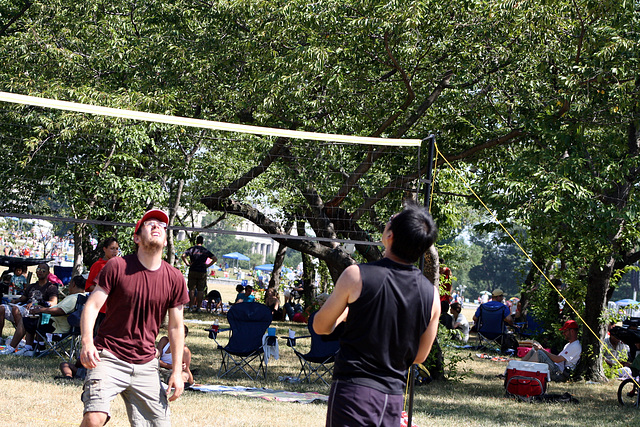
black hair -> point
(199, 240)
(186, 330)
(108, 241)
(239, 288)
(414, 231)
(79, 281)
(456, 306)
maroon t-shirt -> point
(138, 302)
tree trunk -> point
(597, 285)
(431, 270)
(277, 265)
(78, 254)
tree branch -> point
(3, 30)
(375, 154)
(253, 173)
(404, 180)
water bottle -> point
(215, 326)
(12, 289)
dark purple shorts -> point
(357, 405)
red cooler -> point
(526, 379)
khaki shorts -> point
(197, 280)
(139, 385)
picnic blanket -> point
(263, 393)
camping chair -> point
(248, 322)
(318, 362)
(66, 345)
(491, 327)
(530, 328)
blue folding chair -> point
(491, 327)
(530, 328)
(318, 362)
(244, 352)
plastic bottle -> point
(12, 290)
(215, 326)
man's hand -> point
(89, 355)
(175, 382)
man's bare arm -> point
(176, 341)
(429, 335)
(334, 311)
(89, 354)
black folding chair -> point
(318, 362)
(244, 353)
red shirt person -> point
(111, 248)
(445, 283)
(141, 289)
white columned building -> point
(264, 246)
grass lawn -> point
(30, 396)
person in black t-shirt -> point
(197, 261)
(391, 312)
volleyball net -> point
(77, 162)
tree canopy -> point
(536, 103)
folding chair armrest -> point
(213, 334)
(291, 342)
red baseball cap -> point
(152, 214)
(569, 324)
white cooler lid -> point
(528, 366)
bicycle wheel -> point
(628, 393)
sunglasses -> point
(154, 223)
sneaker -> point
(8, 350)
(24, 352)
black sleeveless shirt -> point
(384, 326)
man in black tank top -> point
(391, 312)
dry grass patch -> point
(30, 396)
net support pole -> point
(431, 140)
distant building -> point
(264, 246)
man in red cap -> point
(140, 289)
(560, 365)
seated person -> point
(214, 299)
(59, 312)
(248, 294)
(294, 293)
(631, 370)
(495, 303)
(460, 323)
(43, 293)
(241, 296)
(5, 282)
(616, 351)
(560, 365)
(18, 280)
(445, 318)
(271, 298)
(163, 352)
(13, 313)
(70, 371)
(248, 291)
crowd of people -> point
(38, 242)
